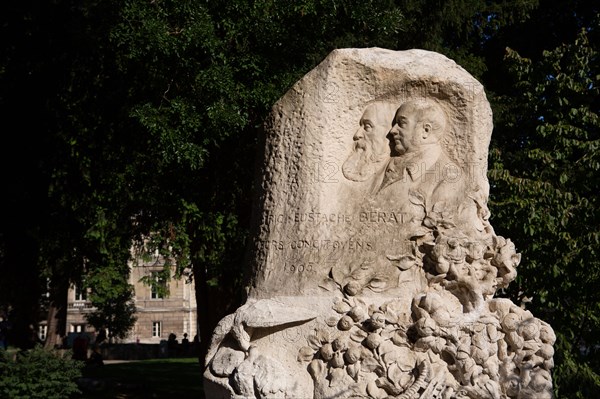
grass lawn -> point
(179, 378)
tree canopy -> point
(140, 121)
(546, 179)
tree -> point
(216, 69)
(147, 116)
(462, 30)
(69, 205)
(545, 180)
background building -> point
(158, 315)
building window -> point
(158, 287)
(77, 328)
(42, 332)
(47, 293)
(80, 292)
(156, 327)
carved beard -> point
(362, 162)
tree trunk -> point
(205, 307)
(57, 316)
(24, 293)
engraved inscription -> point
(309, 217)
(317, 245)
(383, 217)
(296, 268)
(370, 216)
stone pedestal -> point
(374, 263)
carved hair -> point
(383, 112)
(428, 111)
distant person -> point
(172, 344)
(3, 333)
(33, 338)
(96, 358)
(80, 347)
(101, 338)
(195, 345)
(162, 348)
(185, 344)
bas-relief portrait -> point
(401, 153)
(397, 151)
(370, 147)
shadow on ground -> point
(179, 378)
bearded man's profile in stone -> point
(370, 148)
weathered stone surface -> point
(374, 264)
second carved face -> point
(371, 135)
(404, 131)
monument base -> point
(427, 346)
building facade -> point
(158, 314)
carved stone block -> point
(374, 262)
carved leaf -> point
(437, 279)
(305, 354)
(393, 356)
(339, 273)
(389, 331)
(425, 343)
(378, 284)
(221, 331)
(313, 342)
(439, 207)
(318, 338)
(331, 321)
(446, 224)
(427, 239)
(360, 302)
(336, 377)
(315, 369)
(416, 198)
(420, 232)
(386, 347)
(269, 313)
(374, 391)
(394, 373)
(371, 365)
(358, 335)
(406, 262)
(386, 384)
(329, 285)
(477, 196)
(394, 311)
(323, 335)
(429, 222)
(353, 370)
(341, 307)
(225, 361)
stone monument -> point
(374, 262)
